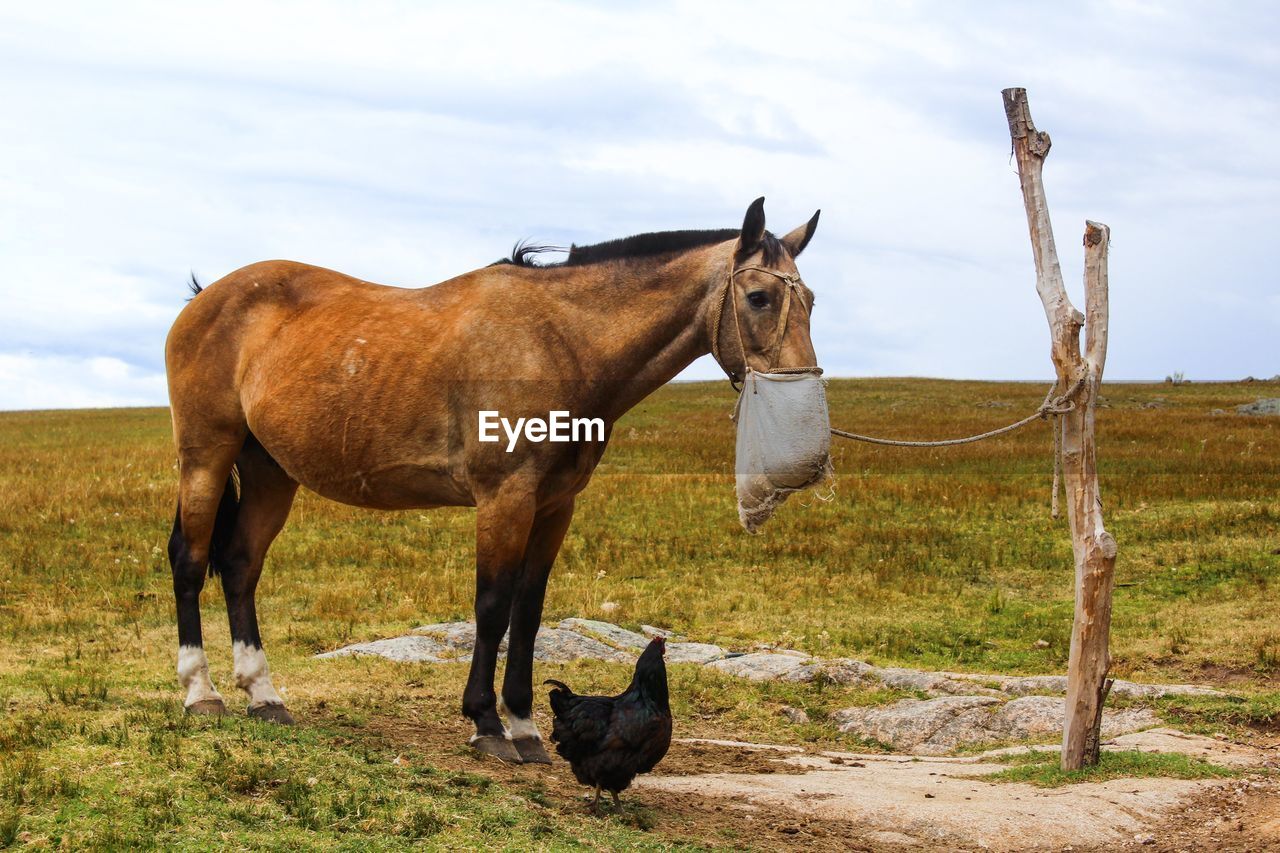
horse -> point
(282, 374)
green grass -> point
(941, 558)
(1044, 770)
(148, 776)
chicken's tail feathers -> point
(566, 688)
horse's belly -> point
(405, 485)
(372, 468)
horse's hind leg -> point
(266, 496)
(526, 615)
(206, 508)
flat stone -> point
(1261, 406)
(411, 649)
(759, 666)
(842, 671)
(1198, 746)
(553, 645)
(938, 726)
(556, 645)
(914, 723)
(933, 683)
(458, 635)
(1022, 685)
(1028, 717)
(1159, 691)
(693, 653)
(619, 638)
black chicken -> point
(609, 739)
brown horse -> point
(283, 374)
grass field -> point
(932, 558)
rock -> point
(937, 726)
(913, 723)
(1041, 644)
(555, 645)
(693, 653)
(459, 635)
(610, 606)
(1159, 691)
(843, 671)
(1145, 838)
(1261, 406)
(796, 716)
(1028, 717)
(409, 649)
(1021, 685)
(617, 637)
(928, 682)
(651, 632)
(1035, 684)
(759, 666)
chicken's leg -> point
(617, 803)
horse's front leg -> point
(503, 523)
(526, 615)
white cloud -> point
(408, 142)
(63, 382)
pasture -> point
(937, 559)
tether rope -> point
(1052, 406)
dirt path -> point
(786, 797)
(943, 802)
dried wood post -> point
(1094, 548)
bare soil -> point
(769, 797)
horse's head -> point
(762, 321)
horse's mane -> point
(651, 244)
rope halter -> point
(729, 295)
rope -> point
(1051, 406)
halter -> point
(728, 294)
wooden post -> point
(1093, 546)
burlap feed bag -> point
(784, 441)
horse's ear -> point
(752, 228)
(799, 238)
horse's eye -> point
(758, 299)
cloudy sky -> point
(408, 142)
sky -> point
(409, 142)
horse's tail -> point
(224, 524)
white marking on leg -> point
(523, 727)
(518, 728)
(193, 674)
(253, 676)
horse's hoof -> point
(272, 714)
(531, 750)
(207, 708)
(497, 746)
